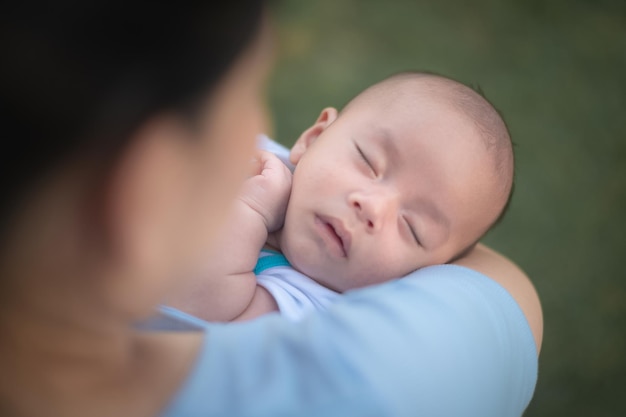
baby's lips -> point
(338, 228)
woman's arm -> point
(502, 270)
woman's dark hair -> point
(79, 74)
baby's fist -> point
(267, 193)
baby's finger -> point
(269, 161)
(255, 166)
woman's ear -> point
(325, 119)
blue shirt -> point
(444, 341)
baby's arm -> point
(227, 287)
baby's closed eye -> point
(413, 230)
(365, 158)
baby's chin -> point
(326, 277)
(339, 280)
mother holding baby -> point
(129, 127)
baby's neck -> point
(273, 241)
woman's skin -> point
(75, 278)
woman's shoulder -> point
(398, 346)
(506, 273)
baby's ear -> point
(325, 119)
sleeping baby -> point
(412, 172)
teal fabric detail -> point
(270, 261)
(274, 252)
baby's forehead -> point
(409, 118)
(413, 99)
(426, 97)
(419, 87)
(451, 101)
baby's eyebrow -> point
(388, 143)
(431, 210)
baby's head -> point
(411, 173)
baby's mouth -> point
(337, 237)
(338, 233)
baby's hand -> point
(267, 193)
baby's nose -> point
(374, 208)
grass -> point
(557, 71)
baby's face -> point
(386, 189)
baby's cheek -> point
(398, 263)
(368, 270)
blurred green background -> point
(557, 71)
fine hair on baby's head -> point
(474, 106)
